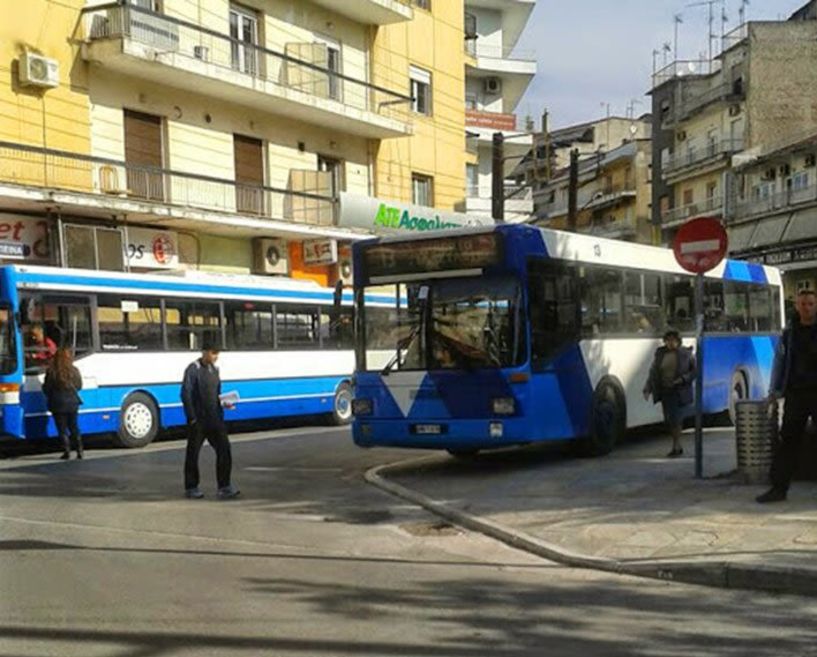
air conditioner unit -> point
(785, 170)
(492, 86)
(734, 110)
(38, 71)
(811, 160)
(681, 136)
(109, 180)
(270, 256)
(345, 272)
(201, 52)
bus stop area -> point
(634, 511)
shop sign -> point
(24, 238)
(320, 252)
(152, 249)
(380, 216)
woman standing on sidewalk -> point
(670, 382)
(61, 387)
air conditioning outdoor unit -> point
(38, 71)
(270, 256)
(811, 160)
(201, 52)
(493, 86)
(345, 271)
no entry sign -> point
(700, 245)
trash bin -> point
(756, 426)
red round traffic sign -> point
(700, 244)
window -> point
(711, 190)
(296, 326)
(422, 190)
(144, 155)
(601, 300)
(679, 302)
(762, 316)
(643, 301)
(472, 180)
(798, 181)
(688, 197)
(249, 326)
(64, 321)
(554, 311)
(192, 323)
(244, 38)
(248, 159)
(129, 323)
(92, 247)
(8, 357)
(470, 101)
(726, 307)
(423, 4)
(336, 328)
(420, 90)
(334, 168)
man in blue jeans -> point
(794, 377)
(201, 390)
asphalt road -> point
(103, 557)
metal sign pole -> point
(699, 374)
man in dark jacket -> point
(201, 390)
(670, 382)
(794, 376)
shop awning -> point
(740, 237)
(803, 226)
(769, 232)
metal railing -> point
(512, 192)
(687, 106)
(301, 69)
(33, 166)
(695, 154)
(789, 198)
(714, 205)
(685, 69)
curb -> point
(719, 574)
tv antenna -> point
(711, 5)
(742, 11)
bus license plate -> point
(428, 429)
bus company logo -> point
(395, 218)
(163, 249)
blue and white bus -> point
(287, 346)
(514, 334)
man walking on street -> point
(201, 390)
(794, 377)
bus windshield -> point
(8, 360)
(456, 323)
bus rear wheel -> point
(342, 405)
(608, 421)
(738, 391)
(138, 421)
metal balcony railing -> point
(103, 178)
(785, 200)
(697, 154)
(304, 71)
(512, 192)
(685, 69)
(712, 205)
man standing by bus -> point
(794, 377)
(201, 395)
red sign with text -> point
(700, 245)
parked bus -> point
(514, 334)
(287, 346)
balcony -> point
(712, 206)
(371, 12)
(135, 42)
(31, 176)
(518, 201)
(611, 196)
(685, 69)
(625, 228)
(694, 156)
(727, 92)
(785, 201)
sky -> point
(594, 52)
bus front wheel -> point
(138, 421)
(608, 421)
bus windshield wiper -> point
(405, 341)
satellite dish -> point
(633, 129)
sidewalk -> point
(635, 511)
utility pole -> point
(573, 190)
(498, 178)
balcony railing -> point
(512, 192)
(685, 69)
(108, 179)
(712, 205)
(301, 69)
(785, 200)
(694, 155)
(492, 120)
(722, 92)
(475, 48)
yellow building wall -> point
(432, 41)
(54, 118)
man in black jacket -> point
(794, 376)
(201, 390)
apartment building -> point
(709, 116)
(262, 136)
(497, 74)
(613, 196)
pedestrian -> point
(670, 382)
(61, 387)
(201, 395)
(794, 378)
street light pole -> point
(498, 178)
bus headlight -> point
(362, 406)
(503, 405)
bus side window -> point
(678, 300)
(553, 307)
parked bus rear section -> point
(515, 334)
